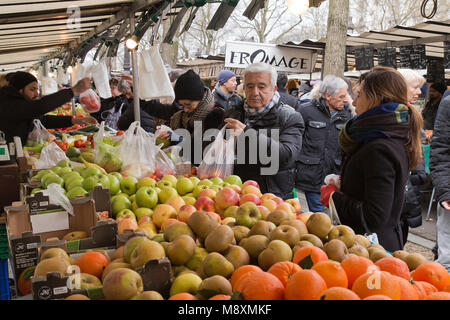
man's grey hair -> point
(262, 67)
(332, 84)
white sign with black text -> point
(285, 59)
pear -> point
(176, 229)
(336, 250)
(181, 249)
(240, 232)
(254, 245)
(313, 239)
(237, 255)
(197, 258)
(413, 260)
(276, 251)
(277, 216)
(214, 285)
(400, 254)
(219, 239)
(202, 223)
(359, 250)
(217, 264)
(262, 227)
(319, 224)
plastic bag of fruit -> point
(90, 101)
(50, 156)
(137, 151)
(39, 136)
(219, 159)
(106, 151)
(163, 165)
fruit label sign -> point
(51, 287)
(25, 256)
(38, 203)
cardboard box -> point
(9, 185)
(24, 166)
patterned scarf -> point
(252, 112)
(388, 120)
(186, 120)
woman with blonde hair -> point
(414, 81)
(381, 144)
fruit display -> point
(226, 240)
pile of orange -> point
(355, 278)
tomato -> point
(120, 132)
(80, 143)
(62, 144)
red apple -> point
(269, 204)
(278, 200)
(215, 216)
(268, 196)
(264, 212)
(144, 219)
(226, 197)
(251, 189)
(235, 188)
(210, 193)
(185, 212)
(167, 223)
(295, 204)
(250, 183)
(205, 204)
(250, 197)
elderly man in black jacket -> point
(273, 125)
(440, 174)
(19, 106)
(324, 117)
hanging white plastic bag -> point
(49, 86)
(62, 77)
(106, 151)
(154, 82)
(90, 101)
(101, 80)
(56, 196)
(51, 154)
(163, 165)
(219, 159)
(39, 135)
(137, 151)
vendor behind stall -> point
(19, 106)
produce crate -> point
(4, 280)
(4, 246)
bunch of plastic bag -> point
(219, 159)
(90, 101)
(39, 136)
(50, 156)
(106, 151)
(57, 197)
(137, 151)
(163, 165)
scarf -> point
(389, 120)
(252, 112)
(186, 120)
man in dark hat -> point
(19, 106)
(224, 91)
(429, 112)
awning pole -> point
(137, 110)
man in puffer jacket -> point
(224, 95)
(440, 174)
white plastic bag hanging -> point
(39, 135)
(49, 86)
(154, 82)
(106, 151)
(51, 154)
(62, 77)
(219, 159)
(100, 76)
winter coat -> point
(412, 209)
(225, 101)
(291, 126)
(440, 152)
(288, 99)
(127, 117)
(111, 106)
(321, 154)
(17, 113)
(372, 190)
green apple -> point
(41, 173)
(104, 181)
(91, 171)
(46, 176)
(184, 186)
(121, 194)
(118, 203)
(205, 182)
(164, 183)
(132, 197)
(194, 180)
(171, 178)
(117, 175)
(124, 212)
(79, 168)
(233, 179)
(224, 184)
(247, 215)
(72, 183)
(90, 182)
(56, 169)
(76, 192)
(199, 188)
(64, 163)
(142, 212)
(67, 177)
(114, 184)
(188, 200)
(146, 197)
(35, 190)
(166, 193)
(64, 170)
(128, 185)
(231, 211)
(146, 182)
(216, 180)
(186, 282)
(53, 179)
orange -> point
(220, 297)
(438, 296)
(434, 273)
(241, 271)
(316, 253)
(332, 272)
(377, 297)
(305, 285)
(377, 282)
(92, 262)
(257, 285)
(284, 270)
(446, 289)
(338, 293)
(394, 266)
(407, 289)
(423, 288)
(356, 266)
(183, 296)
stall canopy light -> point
(298, 7)
(132, 42)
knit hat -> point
(21, 79)
(439, 87)
(224, 76)
(189, 86)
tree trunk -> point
(336, 38)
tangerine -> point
(183, 296)
(332, 272)
(338, 293)
(377, 282)
(305, 285)
(438, 296)
(355, 266)
(316, 254)
(92, 262)
(241, 271)
(284, 270)
(434, 273)
(257, 285)
(394, 266)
